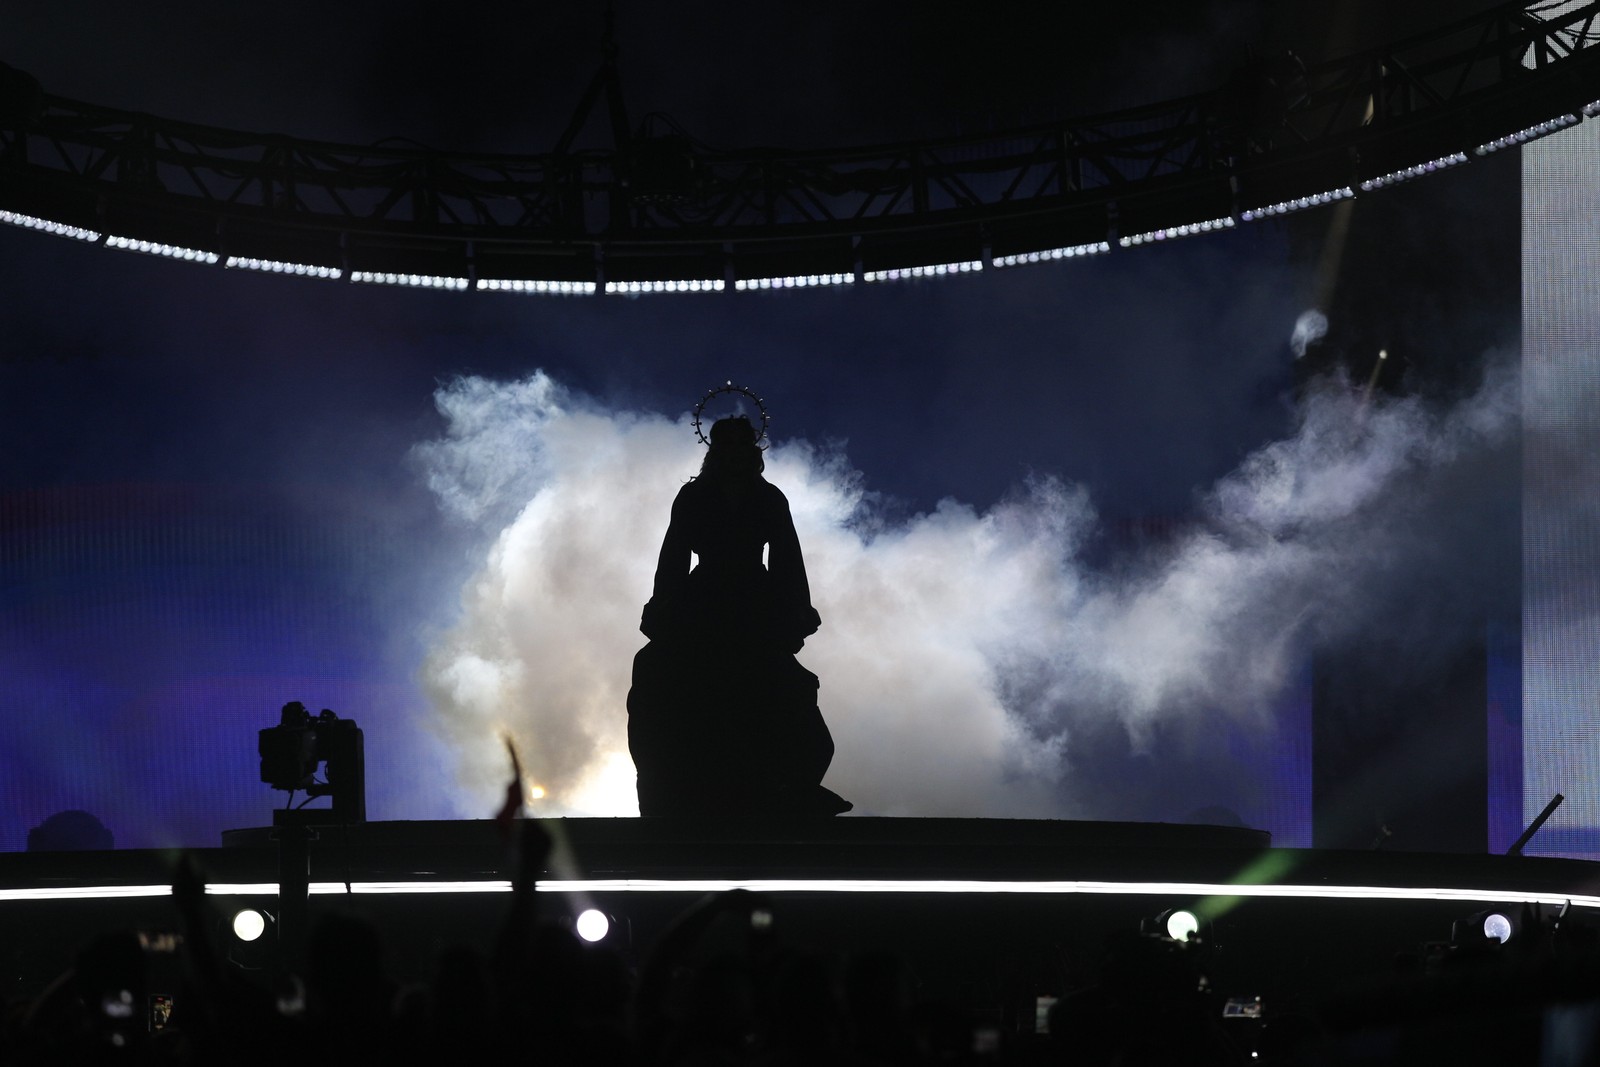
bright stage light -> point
(677, 285)
(1496, 927)
(528, 285)
(156, 248)
(1512, 140)
(249, 924)
(1299, 203)
(1069, 252)
(1421, 170)
(58, 229)
(593, 925)
(1590, 110)
(274, 266)
(929, 271)
(415, 281)
(1188, 229)
(797, 281)
(1182, 925)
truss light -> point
(1188, 229)
(524, 285)
(932, 270)
(414, 281)
(59, 229)
(1070, 252)
(1421, 170)
(275, 266)
(1299, 203)
(156, 248)
(1512, 140)
(798, 281)
(1590, 110)
(676, 285)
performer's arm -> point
(788, 569)
(672, 566)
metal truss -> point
(1278, 134)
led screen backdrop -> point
(1561, 383)
(1086, 536)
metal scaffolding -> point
(655, 206)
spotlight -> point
(1421, 170)
(59, 229)
(931, 270)
(1068, 252)
(533, 285)
(1181, 925)
(414, 281)
(1299, 203)
(796, 281)
(249, 924)
(1512, 140)
(1188, 229)
(156, 248)
(675, 285)
(1483, 928)
(277, 266)
(593, 925)
(1174, 924)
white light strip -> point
(242, 889)
(1511, 140)
(59, 229)
(156, 248)
(1421, 170)
(798, 281)
(415, 281)
(431, 887)
(1196, 889)
(1188, 229)
(843, 885)
(521, 285)
(1299, 203)
(1069, 252)
(932, 270)
(86, 892)
(275, 266)
(677, 285)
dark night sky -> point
(289, 406)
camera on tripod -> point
(292, 751)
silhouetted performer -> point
(721, 717)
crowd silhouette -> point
(539, 994)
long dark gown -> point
(721, 717)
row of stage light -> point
(586, 886)
(717, 285)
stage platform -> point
(990, 914)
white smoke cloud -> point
(962, 651)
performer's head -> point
(733, 452)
